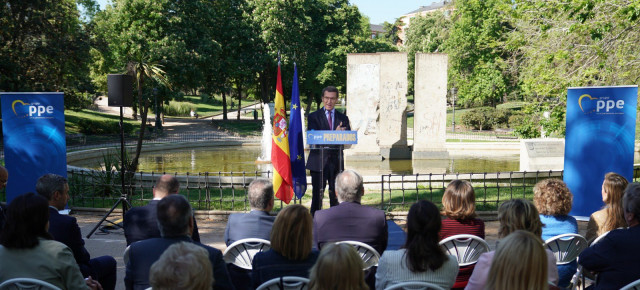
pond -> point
(243, 158)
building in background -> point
(422, 11)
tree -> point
(476, 51)
(43, 46)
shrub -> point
(176, 108)
(524, 126)
(95, 127)
(478, 119)
(75, 100)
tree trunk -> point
(134, 108)
(224, 105)
(239, 86)
(309, 100)
(143, 125)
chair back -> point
(596, 240)
(27, 283)
(241, 252)
(466, 248)
(414, 285)
(369, 255)
(635, 285)
(566, 247)
(285, 283)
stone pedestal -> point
(430, 114)
(541, 154)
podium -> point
(326, 143)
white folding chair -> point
(414, 285)
(125, 255)
(369, 255)
(579, 275)
(27, 283)
(241, 252)
(566, 247)
(466, 248)
(285, 283)
(635, 285)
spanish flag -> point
(280, 148)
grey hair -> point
(174, 212)
(349, 186)
(260, 193)
(50, 183)
(631, 200)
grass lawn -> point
(72, 119)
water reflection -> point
(242, 158)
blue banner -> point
(296, 144)
(328, 137)
(34, 139)
(601, 124)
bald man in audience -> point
(141, 223)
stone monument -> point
(392, 124)
(541, 154)
(430, 114)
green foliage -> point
(176, 108)
(101, 127)
(524, 126)
(486, 118)
(75, 100)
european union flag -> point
(296, 143)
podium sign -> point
(601, 124)
(34, 139)
(328, 137)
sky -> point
(378, 11)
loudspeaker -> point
(120, 90)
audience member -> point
(291, 243)
(338, 267)
(519, 263)
(175, 219)
(611, 216)
(515, 214)
(257, 223)
(553, 200)
(141, 223)
(28, 251)
(65, 229)
(459, 209)
(182, 266)
(615, 257)
(350, 221)
(421, 258)
(4, 177)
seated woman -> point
(291, 242)
(515, 214)
(611, 216)
(32, 251)
(182, 266)
(553, 200)
(459, 209)
(421, 258)
(338, 267)
(519, 263)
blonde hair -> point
(614, 185)
(518, 214)
(291, 234)
(182, 266)
(520, 262)
(459, 200)
(338, 267)
(552, 197)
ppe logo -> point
(35, 110)
(602, 105)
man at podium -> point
(326, 161)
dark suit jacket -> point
(144, 253)
(318, 121)
(616, 258)
(141, 223)
(65, 229)
(255, 224)
(270, 264)
(351, 221)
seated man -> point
(141, 223)
(615, 257)
(257, 223)
(65, 229)
(350, 221)
(175, 219)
